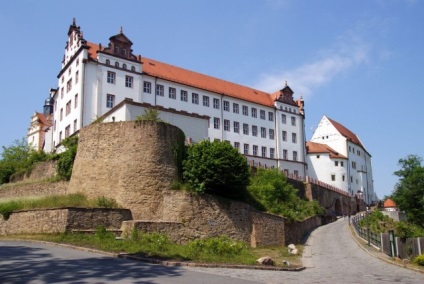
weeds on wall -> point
(66, 159)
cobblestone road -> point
(332, 256)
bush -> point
(419, 260)
(66, 159)
(105, 202)
(8, 207)
(216, 168)
(221, 246)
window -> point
(284, 135)
(133, 68)
(271, 153)
(226, 125)
(353, 165)
(216, 122)
(69, 85)
(254, 130)
(76, 77)
(69, 70)
(117, 64)
(255, 150)
(75, 125)
(237, 145)
(262, 114)
(245, 110)
(205, 101)
(333, 177)
(318, 156)
(111, 77)
(129, 81)
(62, 79)
(263, 152)
(216, 103)
(294, 137)
(226, 105)
(351, 179)
(341, 164)
(235, 108)
(263, 132)
(358, 152)
(61, 93)
(283, 118)
(343, 178)
(293, 121)
(68, 108)
(172, 93)
(147, 87)
(336, 163)
(107, 62)
(195, 98)
(76, 101)
(270, 116)
(124, 66)
(254, 112)
(246, 149)
(285, 154)
(110, 101)
(294, 156)
(67, 131)
(183, 95)
(236, 127)
(60, 136)
(271, 134)
(77, 62)
(286, 172)
(61, 114)
(245, 128)
(160, 90)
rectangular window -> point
(263, 132)
(254, 130)
(195, 98)
(129, 81)
(110, 101)
(255, 150)
(262, 114)
(283, 119)
(341, 164)
(294, 137)
(271, 134)
(205, 101)
(111, 77)
(271, 153)
(354, 165)
(343, 178)
(336, 163)
(237, 145)
(216, 103)
(263, 152)
(68, 108)
(160, 90)
(296, 173)
(216, 122)
(75, 125)
(285, 155)
(358, 152)
(172, 93)
(60, 136)
(284, 135)
(245, 128)
(351, 179)
(226, 105)
(67, 131)
(76, 77)
(294, 156)
(235, 108)
(183, 95)
(61, 114)
(61, 93)
(270, 116)
(76, 101)
(245, 110)
(333, 177)
(236, 127)
(254, 112)
(246, 149)
(147, 87)
(69, 85)
(226, 125)
(293, 121)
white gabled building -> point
(267, 128)
(336, 156)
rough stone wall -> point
(34, 190)
(295, 232)
(41, 170)
(61, 220)
(267, 229)
(174, 230)
(127, 161)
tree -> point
(409, 191)
(216, 168)
(149, 115)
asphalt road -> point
(331, 255)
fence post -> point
(419, 245)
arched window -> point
(107, 62)
(117, 64)
(124, 66)
(132, 68)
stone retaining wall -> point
(34, 190)
(41, 170)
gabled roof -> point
(42, 119)
(183, 76)
(318, 148)
(389, 203)
(346, 133)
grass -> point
(54, 201)
(53, 179)
(213, 250)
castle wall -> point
(33, 190)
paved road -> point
(334, 257)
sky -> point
(358, 62)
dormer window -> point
(116, 50)
(124, 52)
(107, 62)
(117, 64)
(124, 66)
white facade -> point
(358, 170)
(267, 128)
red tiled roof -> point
(42, 118)
(313, 147)
(389, 203)
(346, 133)
(183, 76)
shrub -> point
(66, 159)
(8, 207)
(103, 234)
(105, 202)
(149, 115)
(221, 246)
(419, 260)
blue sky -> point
(358, 62)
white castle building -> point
(111, 83)
(337, 157)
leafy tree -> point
(409, 191)
(150, 114)
(216, 168)
(66, 159)
(270, 188)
